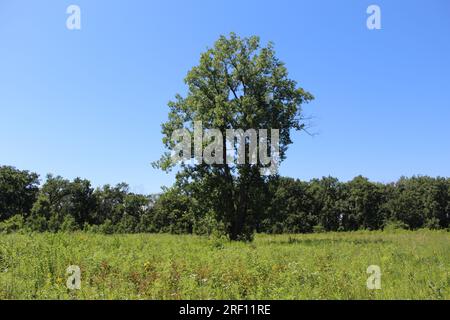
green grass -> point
(414, 265)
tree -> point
(362, 202)
(173, 212)
(290, 208)
(237, 85)
(135, 214)
(327, 194)
(110, 203)
(18, 191)
(61, 201)
(419, 201)
(49, 209)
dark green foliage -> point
(229, 89)
(173, 212)
(329, 205)
(59, 199)
(290, 208)
(420, 201)
(18, 190)
(277, 205)
(13, 224)
(361, 205)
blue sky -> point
(90, 102)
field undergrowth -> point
(414, 265)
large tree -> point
(238, 84)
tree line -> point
(281, 205)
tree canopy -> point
(238, 84)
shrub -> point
(13, 224)
(432, 224)
(318, 228)
(393, 225)
(69, 224)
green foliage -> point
(59, 199)
(278, 205)
(173, 212)
(228, 90)
(318, 229)
(69, 224)
(106, 227)
(296, 206)
(432, 224)
(64, 205)
(13, 224)
(18, 190)
(362, 201)
(418, 200)
(394, 225)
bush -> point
(107, 227)
(37, 223)
(432, 224)
(393, 225)
(13, 224)
(69, 224)
(207, 225)
(318, 228)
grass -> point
(414, 265)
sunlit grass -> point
(414, 265)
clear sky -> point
(90, 102)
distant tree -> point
(229, 89)
(445, 223)
(290, 208)
(134, 219)
(363, 201)
(173, 212)
(18, 191)
(110, 203)
(419, 201)
(61, 201)
(82, 201)
(278, 205)
(327, 207)
(48, 210)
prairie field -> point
(414, 265)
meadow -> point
(414, 265)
